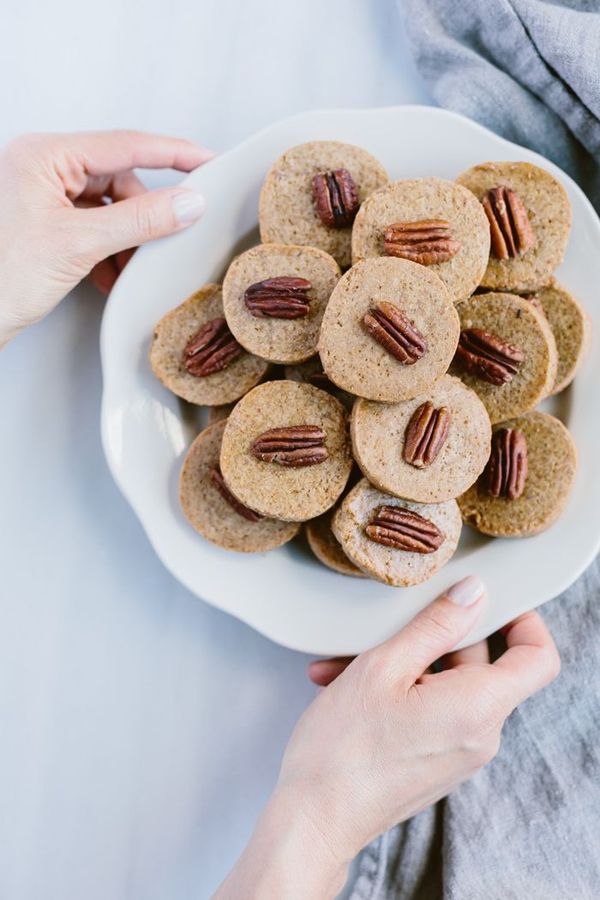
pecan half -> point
(425, 242)
(219, 482)
(425, 434)
(335, 197)
(294, 446)
(511, 233)
(283, 297)
(404, 529)
(488, 356)
(395, 332)
(211, 349)
(506, 472)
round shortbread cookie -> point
(393, 566)
(270, 487)
(287, 213)
(549, 214)
(327, 548)
(429, 199)
(280, 340)
(355, 360)
(551, 463)
(214, 517)
(571, 328)
(173, 334)
(518, 323)
(382, 440)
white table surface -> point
(141, 730)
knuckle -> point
(378, 674)
(20, 142)
(436, 627)
(481, 725)
(147, 221)
(489, 712)
(19, 148)
(28, 153)
(485, 751)
(376, 667)
(75, 241)
(551, 663)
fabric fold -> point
(527, 69)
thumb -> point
(438, 628)
(137, 220)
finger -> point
(114, 227)
(531, 660)
(124, 185)
(104, 275)
(437, 628)
(105, 152)
(324, 671)
(476, 654)
(118, 187)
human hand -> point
(387, 738)
(57, 226)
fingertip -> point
(188, 206)
(467, 592)
(323, 671)
(531, 660)
(315, 672)
(531, 617)
(320, 670)
(192, 156)
(205, 153)
(319, 673)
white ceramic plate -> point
(286, 594)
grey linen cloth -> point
(528, 825)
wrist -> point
(289, 856)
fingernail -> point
(466, 592)
(188, 206)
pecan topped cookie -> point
(312, 193)
(214, 511)
(286, 451)
(530, 218)
(274, 297)
(431, 222)
(196, 356)
(570, 326)
(389, 330)
(396, 541)
(430, 448)
(506, 353)
(527, 480)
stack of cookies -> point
(385, 406)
